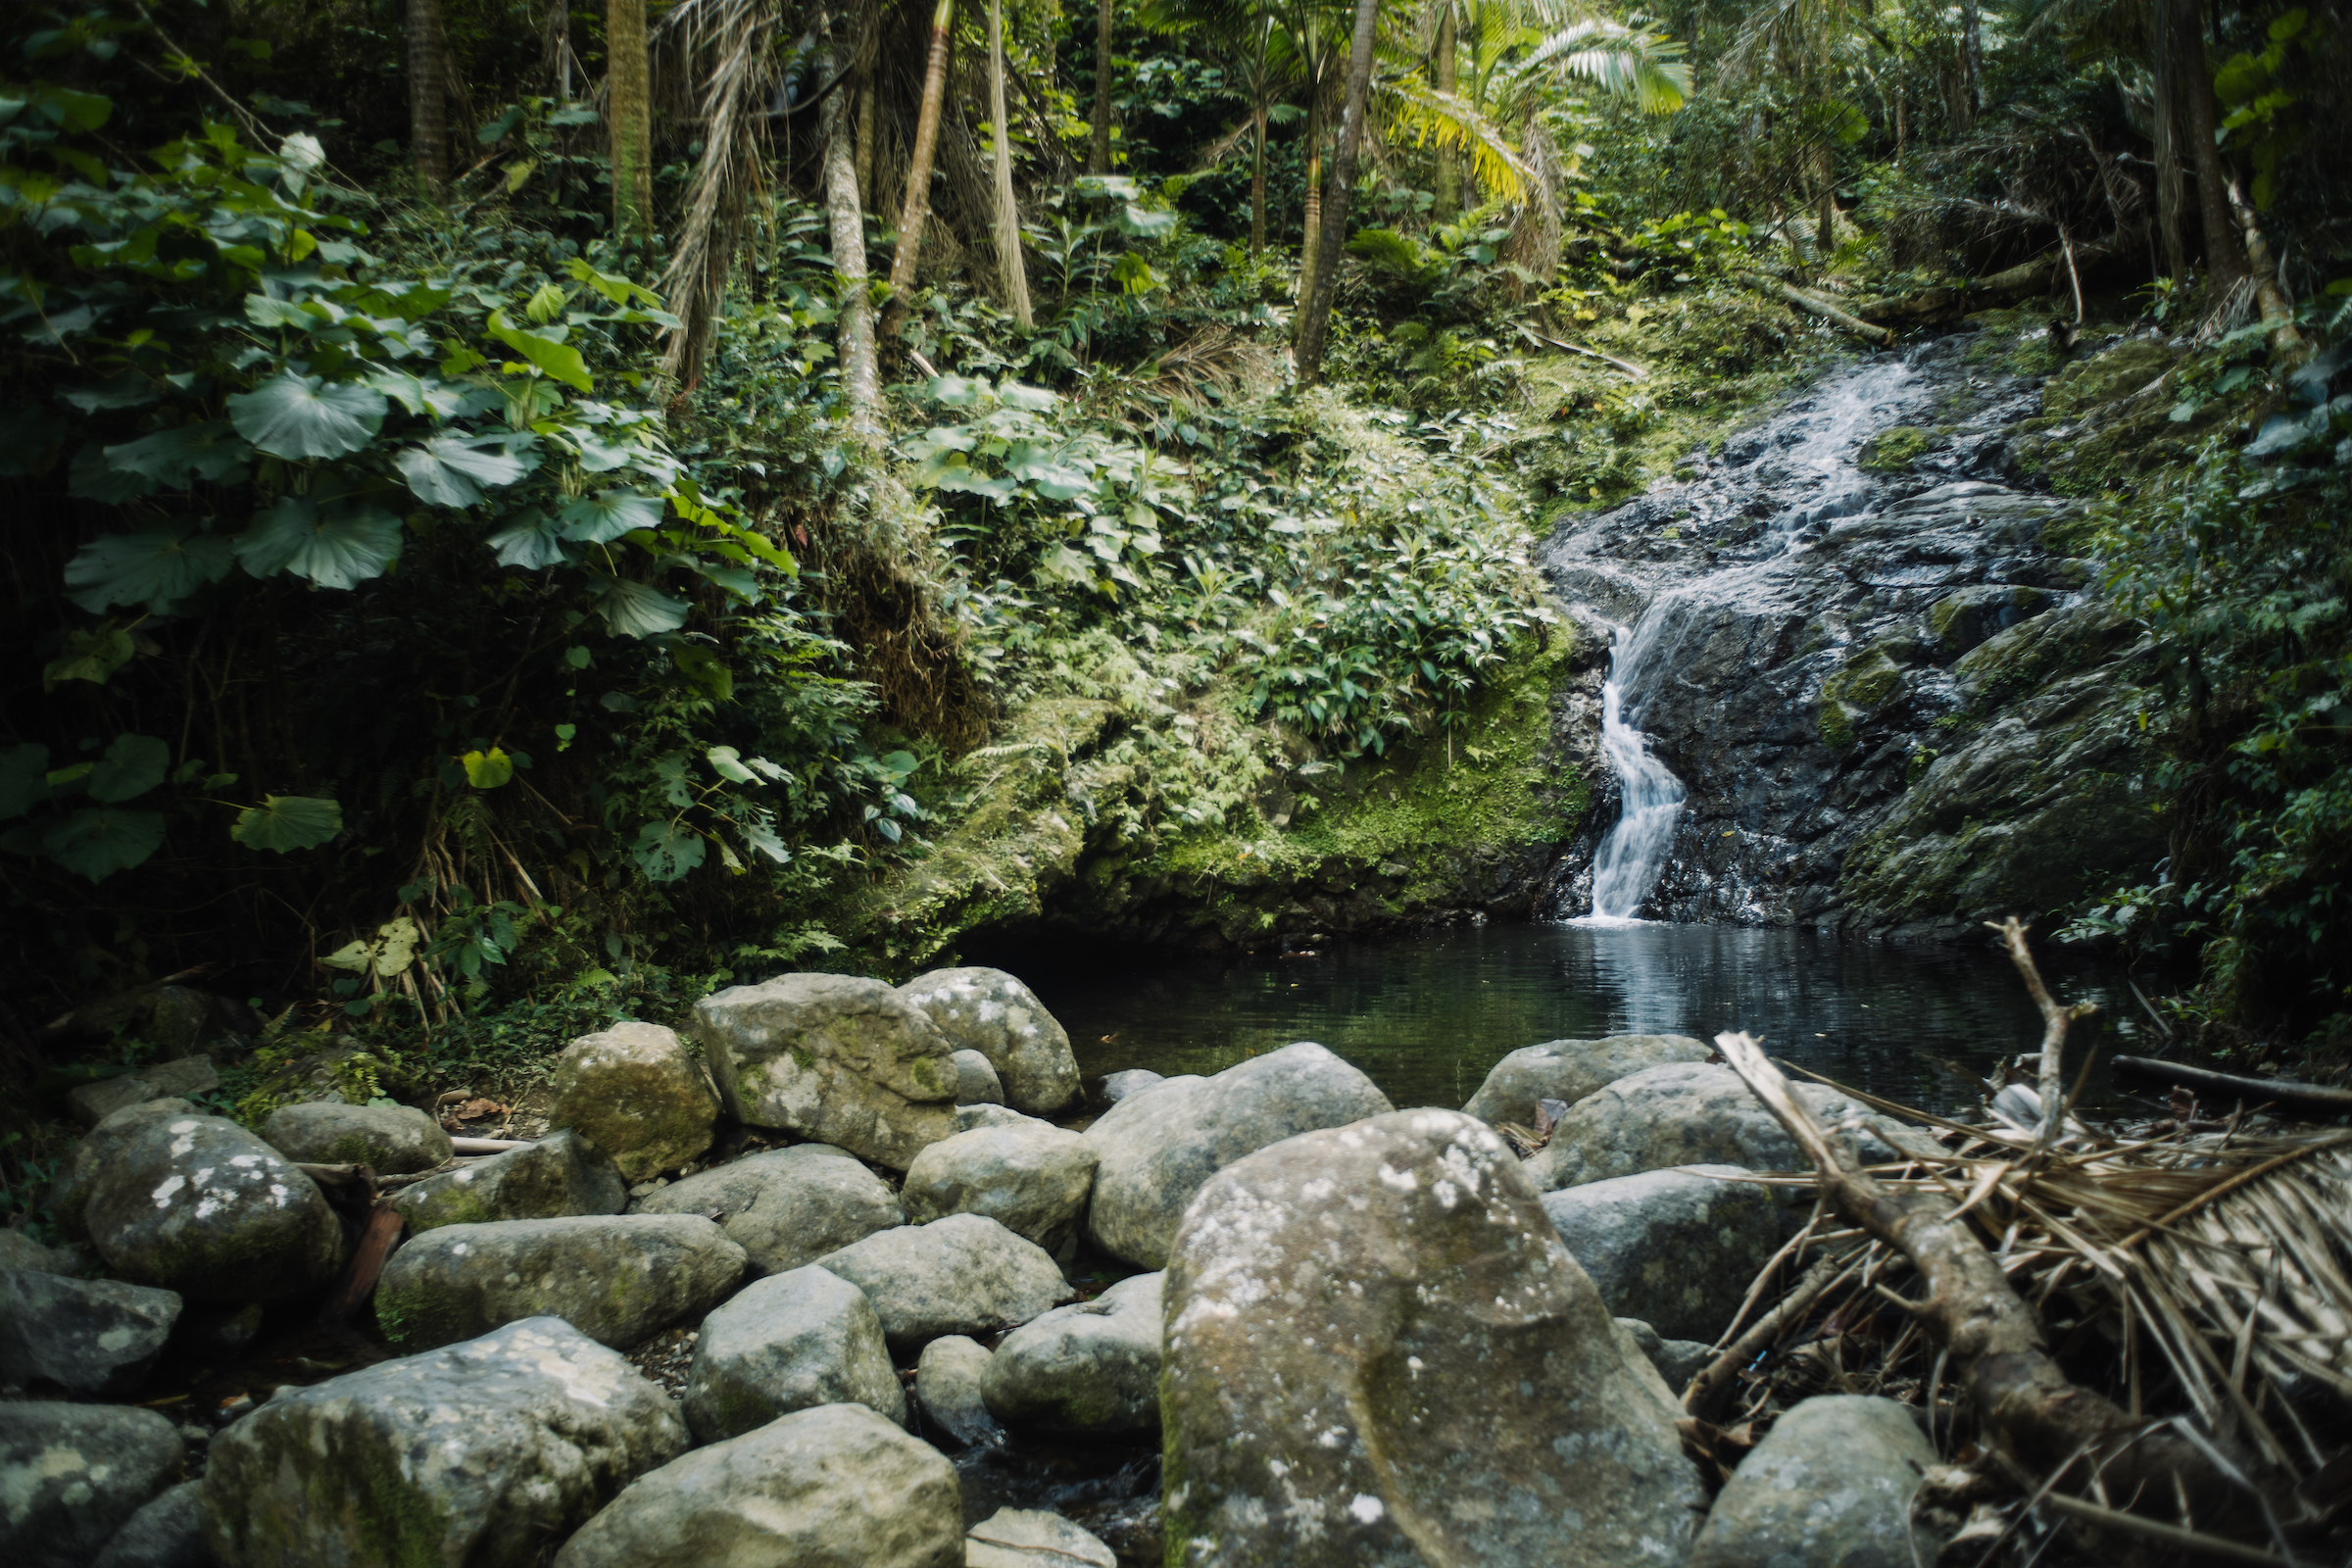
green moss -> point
(1892, 451)
(802, 1059)
(2108, 376)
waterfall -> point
(1634, 853)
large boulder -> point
(19, 1250)
(395, 1140)
(479, 1454)
(976, 1080)
(99, 1150)
(1083, 1370)
(789, 1342)
(90, 1336)
(834, 1059)
(199, 1205)
(1033, 1180)
(616, 1278)
(946, 1385)
(167, 1533)
(1567, 1070)
(1118, 1086)
(559, 1176)
(1829, 1484)
(1685, 1113)
(836, 1487)
(965, 1274)
(1380, 1354)
(73, 1475)
(1676, 1249)
(990, 1012)
(786, 1207)
(1030, 1538)
(1158, 1146)
(93, 1103)
(637, 1093)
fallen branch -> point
(1812, 306)
(2054, 1021)
(486, 1145)
(1716, 1375)
(1627, 366)
(368, 1259)
(2253, 1090)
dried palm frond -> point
(728, 46)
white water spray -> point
(1634, 853)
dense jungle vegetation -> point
(520, 509)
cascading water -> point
(1629, 860)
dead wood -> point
(368, 1259)
(2228, 1086)
(1812, 305)
(1707, 1389)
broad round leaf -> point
(177, 459)
(632, 610)
(303, 417)
(605, 516)
(285, 822)
(132, 765)
(24, 779)
(158, 569)
(487, 770)
(531, 540)
(341, 547)
(451, 469)
(98, 841)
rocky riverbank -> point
(1254, 1318)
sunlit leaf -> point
(762, 836)
(96, 842)
(704, 669)
(92, 655)
(727, 762)
(132, 765)
(608, 515)
(157, 569)
(286, 823)
(294, 415)
(337, 547)
(558, 359)
(487, 770)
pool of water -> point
(1427, 1015)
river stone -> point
(616, 1278)
(947, 1384)
(976, 1080)
(1830, 1487)
(99, 1149)
(834, 1059)
(786, 1207)
(90, 1336)
(478, 1453)
(559, 1176)
(1031, 1538)
(1677, 1360)
(395, 1141)
(990, 1012)
(1032, 1180)
(73, 1475)
(1374, 1336)
(1118, 1086)
(93, 1103)
(1083, 1370)
(1158, 1146)
(19, 1250)
(789, 1342)
(1685, 1113)
(167, 1533)
(968, 1117)
(836, 1487)
(199, 1205)
(1677, 1248)
(1568, 1070)
(964, 1274)
(635, 1093)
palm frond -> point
(728, 46)
(1628, 62)
(1451, 121)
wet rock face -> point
(199, 1205)
(635, 1092)
(786, 1207)
(561, 1175)
(616, 1277)
(990, 1012)
(1379, 1354)
(73, 1475)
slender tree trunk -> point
(555, 47)
(1097, 159)
(629, 94)
(1310, 227)
(1445, 74)
(861, 374)
(2287, 345)
(1009, 211)
(429, 107)
(1314, 321)
(869, 43)
(917, 207)
(1972, 61)
(2165, 113)
(1257, 183)
(2224, 260)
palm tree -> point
(1009, 211)
(429, 107)
(628, 106)
(1314, 299)
(1097, 159)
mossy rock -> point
(1964, 618)
(2108, 376)
(1893, 451)
(1861, 687)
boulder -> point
(1677, 1360)
(395, 1140)
(1379, 1354)
(1831, 1484)
(98, 1151)
(1084, 1370)
(1033, 1180)
(976, 1080)
(169, 1532)
(1030, 1538)
(1677, 1248)
(946, 1385)
(790, 1342)
(199, 1205)
(990, 1012)
(19, 1250)
(74, 1475)
(968, 1117)
(616, 1278)
(90, 1336)
(478, 1453)
(1568, 1070)
(559, 1176)
(636, 1093)
(833, 1059)
(965, 1274)
(1685, 1113)
(93, 1103)
(1158, 1146)
(836, 1487)
(1118, 1086)
(786, 1207)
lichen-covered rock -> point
(19, 1250)
(1381, 1357)
(1568, 1070)
(73, 1475)
(98, 1151)
(968, 1117)
(167, 1533)
(1032, 1180)
(1030, 1538)
(559, 1176)
(199, 1205)
(832, 1058)
(990, 1012)
(836, 1487)
(965, 1274)
(1676, 1249)
(946, 1385)
(1158, 1146)
(790, 1342)
(1084, 1370)
(1118, 1086)
(1829, 1484)
(395, 1140)
(93, 1103)
(637, 1093)
(976, 1080)
(478, 1453)
(91, 1336)
(786, 1207)
(1677, 1360)
(616, 1278)
(1685, 1113)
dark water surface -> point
(1427, 1015)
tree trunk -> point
(861, 374)
(629, 94)
(1445, 74)
(1097, 159)
(1311, 227)
(1314, 322)
(1258, 185)
(869, 44)
(2165, 115)
(2224, 260)
(555, 48)
(429, 107)
(1972, 62)
(2287, 345)
(1009, 211)
(917, 205)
